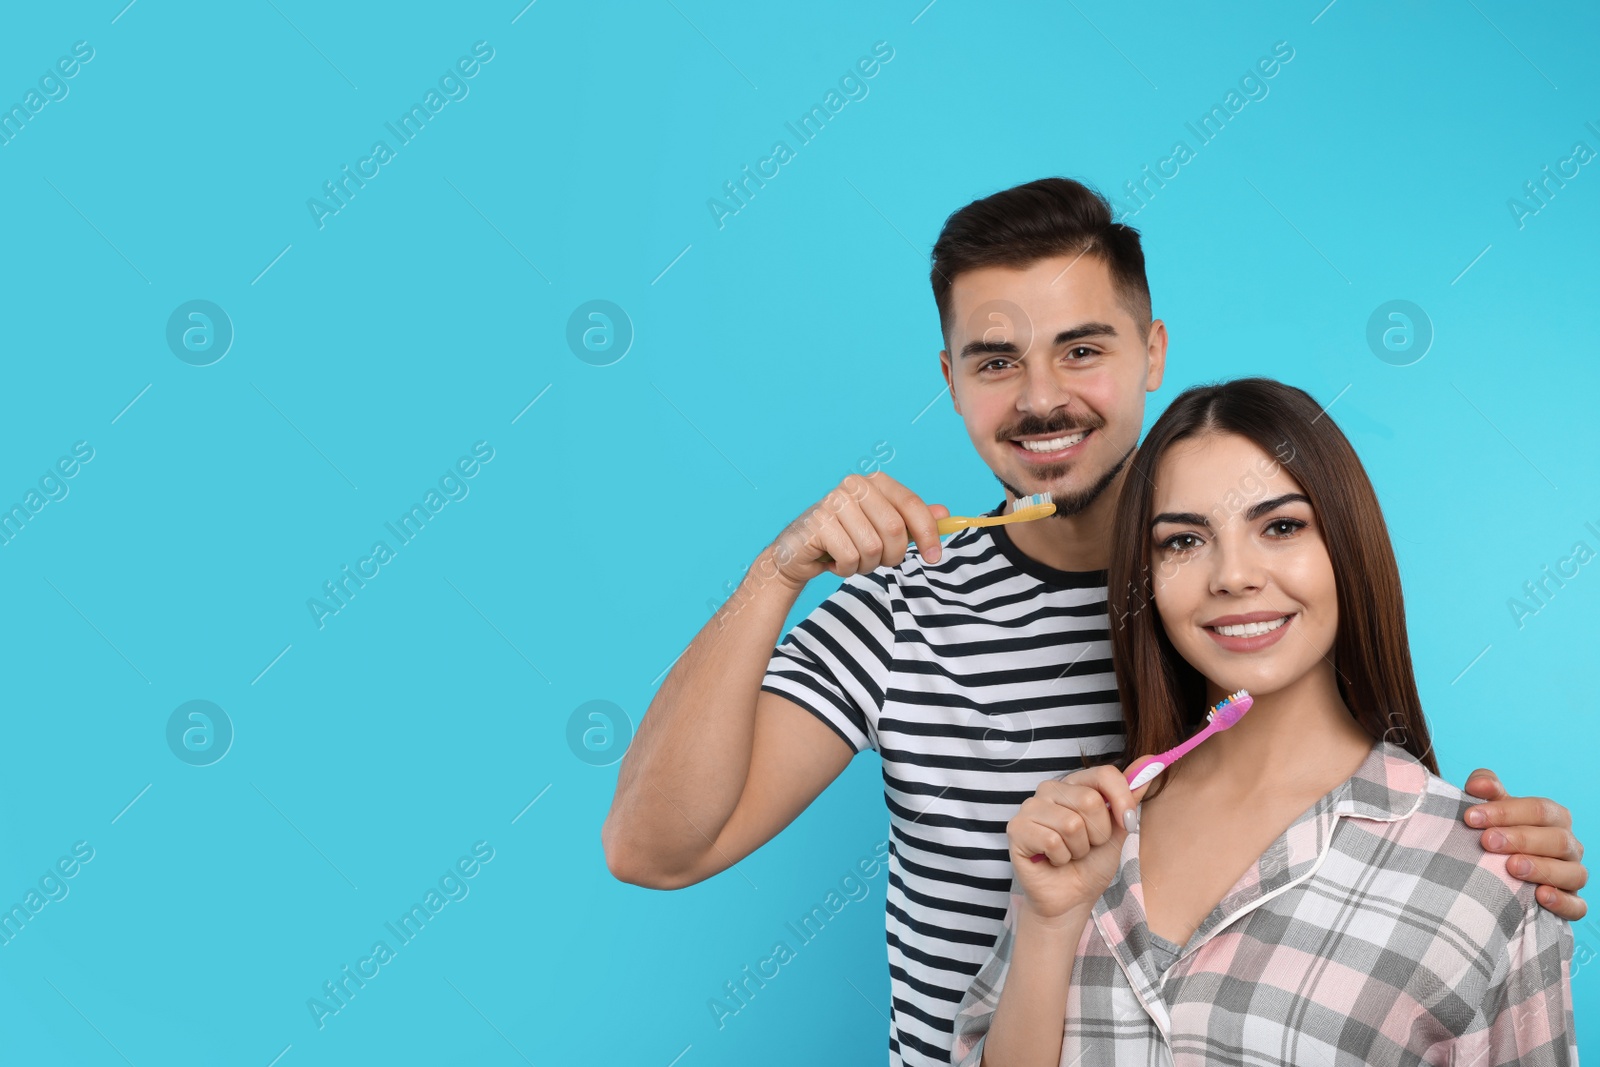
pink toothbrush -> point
(1229, 710)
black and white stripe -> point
(974, 679)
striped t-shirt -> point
(975, 679)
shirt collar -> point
(1387, 786)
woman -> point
(1300, 888)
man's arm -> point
(1535, 834)
(719, 766)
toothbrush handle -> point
(1173, 755)
(1147, 770)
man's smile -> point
(1050, 449)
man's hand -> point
(1535, 835)
(863, 524)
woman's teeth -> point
(1250, 629)
(1055, 445)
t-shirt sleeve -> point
(835, 662)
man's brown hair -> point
(1027, 223)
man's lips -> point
(1079, 439)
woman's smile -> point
(1250, 632)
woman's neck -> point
(1300, 740)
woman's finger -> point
(1069, 824)
(1088, 804)
(1112, 786)
(1048, 819)
(1038, 841)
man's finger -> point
(891, 527)
(1549, 842)
(1565, 905)
(1564, 875)
(1485, 785)
(922, 521)
(1518, 811)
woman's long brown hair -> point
(1163, 697)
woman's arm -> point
(1030, 1019)
(1529, 1015)
(1066, 841)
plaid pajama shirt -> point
(1375, 930)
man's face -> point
(1047, 354)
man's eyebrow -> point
(1258, 510)
(1008, 348)
(988, 348)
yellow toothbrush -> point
(1025, 509)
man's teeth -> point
(1250, 629)
(1056, 445)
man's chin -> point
(1070, 489)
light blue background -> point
(768, 357)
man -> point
(977, 668)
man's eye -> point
(1081, 352)
(991, 363)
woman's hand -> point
(1068, 820)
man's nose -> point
(1043, 390)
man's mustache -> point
(1058, 428)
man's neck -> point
(1080, 542)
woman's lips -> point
(1254, 643)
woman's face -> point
(1243, 583)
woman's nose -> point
(1236, 567)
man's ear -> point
(944, 368)
(1156, 352)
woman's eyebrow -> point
(1190, 518)
(1185, 518)
(1258, 510)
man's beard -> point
(1068, 505)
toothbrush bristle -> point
(1031, 501)
(1231, 708)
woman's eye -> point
(1182, 542)
(1284, 527)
